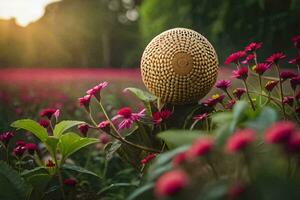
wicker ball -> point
(179, 66)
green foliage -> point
(79, 169)
(62, 126)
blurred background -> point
(113, 33)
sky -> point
(24, 11)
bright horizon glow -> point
(24, 11)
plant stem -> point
(281, 90)
(92, 119)
(226, 91)
(213, 168)
(60, 179)
(121, 138)
(247, 91)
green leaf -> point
(79, 169)
(33, 127)
(36, 170)
(51, 144)
(112, 148)
(114, 185)
(140, 191)
(63, 126)
(70, 142)
(175, 138)
(39, 183)
(13, 186)
(142, 95)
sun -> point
(24, 11)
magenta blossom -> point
(241, 73)
(270, 85)
(85, 101)
(44, 122)
(161, 116)
(217, 98)
(238, 92)
(287, 75)
(95, 91)
(148, 158)
(248, 59)
(273, 59)
(295, 61)
(223, 84)
(235, 57)
(70, 182)
(31, 147)
(19, 150)
(261, 68)
(48, 112)
(84, 128)
(296, 41)
(201, 117)
(253, 46)
(128, 117)
(240, 140)
(230, 104)
(295, 81)
(5, 137)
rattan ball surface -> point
(179, 66)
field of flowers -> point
(99, 134)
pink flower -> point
(104, 124)
(261, 68)
(248, 58)
(170, 183)
(201, 117)
(31, 147)
(295, 81)
(148, 158)
(293, 144)
(159, 117)
(216, 98)
(235, 57)
(20, 143)
(19, 150)
(56, 114)
(241, 73)
(240, 140)
(201, 147)
(223, 84)
(238, 92)
(95, 91)
(5, 137)
(84, 128)
(179, 159)
(296, 41)
(44, 123)
(104, 138)
(48, 112)
(295, 61)
(273, 59)
(128, 117)
(287, 75)
(288, 100)
(70, 182)
(230, 104)
(270, 85)
(85, 101)
(50, 164)
(280, 132)
(253, 46)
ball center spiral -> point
(182, 63)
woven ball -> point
(179, 66)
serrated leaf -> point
(70, 142)
(33, 127)
(175, 138)
(13, 186)
(79, 169)
(63, 126)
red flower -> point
(179, 159)
(158, 117)
(295, 81)
(248, 58)
(104, 125)
(20, 143)
(84, 128)
(241, 73)
(170, 183)
(95, 91)
(273, 59)
(230, 104)
(104, 138)
(296, 40)
(44, 122)
(50, 163)
(295, 61)
(217, 98)
(280, 132)
(238, 92)
(270, 85)
(48, 112)
(85, 101)
(294, 143)
(201, 147)
(148, 158)
(201, 117)
(19, 150)
(253, 46)
(287, 75)
(235, 57)
(223, 84)
(288, 100)
(70, 182)
(128, 117)
(31, 147)
(5, 137)
(240, 140)
(261, 68)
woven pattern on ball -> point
(179, 66)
